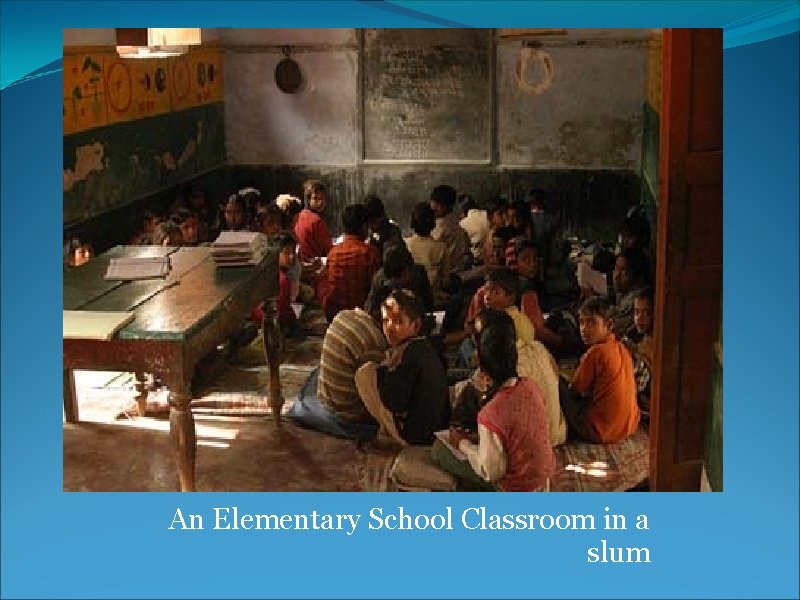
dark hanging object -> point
(288, 77)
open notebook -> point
(94, 325)
(444, 437)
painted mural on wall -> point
(135, 127)
(102, 89)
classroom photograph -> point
(319, 260)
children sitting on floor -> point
(382, 232)
(270, 221)
(500, 293)
(311, 230)
(601, 406)
(430, 253)
(534, 362)
(530, 290)
(496, 211)
(329, 400)
(448, 230)
(233, 216)
(189, 224)
(407, 392)
(77, 253)
(511, 449)
(630, 274)
(144, 236)
(197, 202)
(350, 267)
(639, 340)
(519, 218)
(287, 319)
(399, 271)
(290, 207)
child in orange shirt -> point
(601, 406)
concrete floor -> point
(239, 454)
(109, 450)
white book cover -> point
(94, 325)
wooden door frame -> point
(688, 285)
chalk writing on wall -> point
(427, 97)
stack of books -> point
(239, 248)
(138, 267)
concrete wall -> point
(574, 127)
(116, 160)
(570, 103)
(579, 136)
(318, 125)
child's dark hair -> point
(495, 205)
(291, 208)
(637, 226)
(505, 234)
(407, 302)
(354, 216)
(374, 207)
(249, 196)
(646, 293)
(312, 186)
(396, 259)
(506, 279)
(522, 211)
(537, 198)
(522, 244)
(497, 346)
(423, 220)
(638, 265)
(444, 194)
(271, 214)
(467, 202)
(182, 215)
(598, 306)
(285, 240)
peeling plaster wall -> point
(107, 167)
(111, 169)
(579, 135)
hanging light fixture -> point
(155, 42)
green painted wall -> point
(650, 151)
(110, 167)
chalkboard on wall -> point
(427, 95)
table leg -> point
(182, 432)
(141, 392)
(271, 349)
(70, 397)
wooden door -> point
(689, 255)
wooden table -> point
(179, 320)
